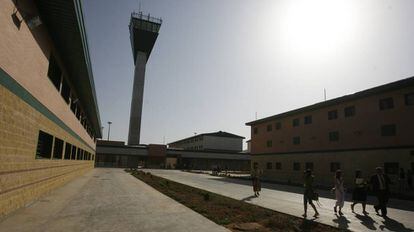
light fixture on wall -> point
(31, 19)
(34, 22)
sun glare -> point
(317, 27)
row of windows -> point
(59, 81)
(191, 140)
(297, 166)
(349, 111)
(195, 148)
(49, 147)
(333, 136)
(389, 167)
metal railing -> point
(148, 17)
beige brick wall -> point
(350, 161)
(23, 178)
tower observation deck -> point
(143, 34)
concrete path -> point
(288, 199)
(106, 200)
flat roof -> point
(368, 92)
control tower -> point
(143, 33)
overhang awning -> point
(64, 22)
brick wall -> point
(23, 178)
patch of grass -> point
(234, 214)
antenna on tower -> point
(255, 115)
(139, 6)
(324, 94)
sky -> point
(219, 64)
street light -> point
(109, 128)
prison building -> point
(360, 131)
(49, 118)
(215, 141)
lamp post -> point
(109, 128)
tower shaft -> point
(137, 99)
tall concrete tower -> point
(143, 33)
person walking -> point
(339, 192)
(309, 193)
(359, 195)
(255, 174)
(410, 179)
(401, 180)
(380, 184)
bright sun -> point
(317, 27)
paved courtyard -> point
(106, 200)
(288, 199)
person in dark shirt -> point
(380, 185)
(309, 193)
(401, 180)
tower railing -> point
(148, 17)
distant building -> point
(216, 141)
(49, 118)
(374, 127)
(117, 154)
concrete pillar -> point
(137, 99)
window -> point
(278, 166)
(44, 146)
(391, 168)
(335, 166)
(68, 151)
(278, 126)
(65, 92)
(309, 165)
(386, 103)
(269, 143)
(295, 122)
(409, 99)
(78, 112)
(269, 165)
(333, 136)
(269, 127)
(333, 114)
(308, 119)
(255, 130)
(58, 149)
(73, 103)
(78, 154)
(349, 111)
(388, 130)
(296, 140)
(54, 73)
(296, 166)
(74, 149)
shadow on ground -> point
(393, 203)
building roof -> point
(65, 24)
(214, 134)
(365, 93)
